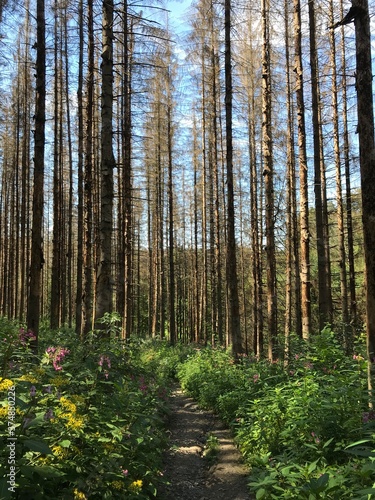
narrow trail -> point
(190, 474)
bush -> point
(294, 422)
(88, 419)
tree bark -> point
(304, 207)
(104, 283)
(37, 259)
(268, 173)
(364, 81)
(232, 280)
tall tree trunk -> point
(172, 282)
(104, 283)
(268, 173)
(25, 171)
(127, 216)
(68, 285)
(323, 289)
(339, 197)
(79, 262)
(348, 189)
(304, 207)
(88, 179)
(58, 228)
(292, 285)
(37, 260)
(232, 280)
(364, 81)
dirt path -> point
(191, 475)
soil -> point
(192, 472)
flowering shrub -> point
(294, 423)
(87, 418)
(56, 355)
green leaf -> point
(65, 443)
(367, 491)
(312, 467)
(38, 445)
(362, 441)
(260, 494)
(322, 481)
(327, 443)
(37, 420)
(44, 471)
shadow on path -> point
(191, 476)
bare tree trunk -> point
(268, 174)
(324, 310)
(292, 277)
(172, 280)
(364, 81)
(233, 302)
(88, 180)
(25, 172)
(304, 208)
(127, 215)
(339, 197)
(79, 264)
(37, 260)
(58, 229)
(348, 195)
(104, 283)
(68, 285)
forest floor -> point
(194, 468)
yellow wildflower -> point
(109, 446)
(5, 384)
(3, 411)
(39, 371)
(28, 377)
(79, 495)
(65, 403)
(74, 423)
(59, 381)
(59, 451)
(136, 486)
(117, 485)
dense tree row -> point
(203, 185)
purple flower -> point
(57, 355)
(48, 415)
(25, 337)
(33, 391)
(104, 359)
(27, 421)
(367, 416)
(316, 439)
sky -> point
(178, 12)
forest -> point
(139, 176)
(203, 179)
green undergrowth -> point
(303, 428)
(87, 420)
(82, 420)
